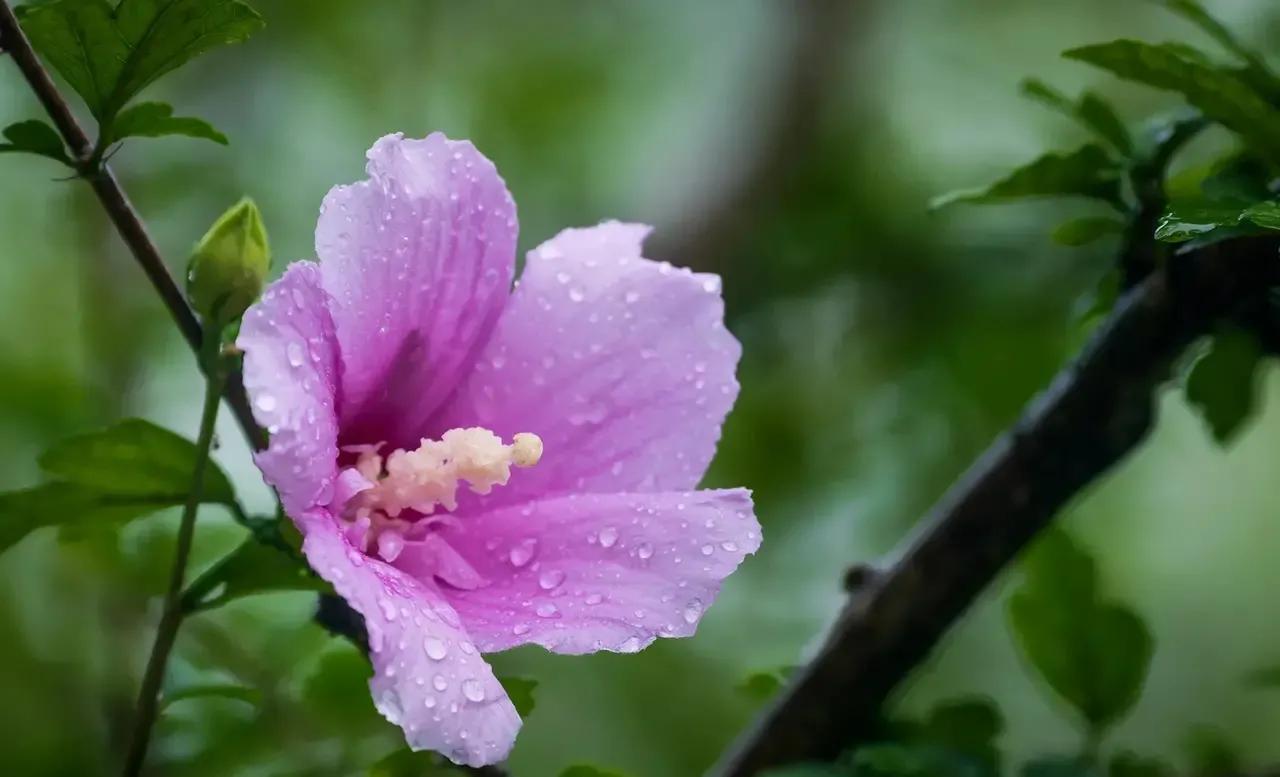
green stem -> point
(171, 618)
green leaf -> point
(1210, 752)
(1197, 15)
(582, 770)
(251, 696)
(763, 685)
(1082, 231)
(407, 763)
(71, 505)
(1267, 677)
(520, 689)
(135, 458)
(1059, 766)
(109, 54)
(1128, 764)
(1219, 94)
(1085, 172)
(1196, 220)
(893, 759)
(1091, 111)
(1092, 653)
(253, 568)
(968, 727)
(229, 265)
(810, 770)
(1223, 384)
(35, 137)
(156, 119)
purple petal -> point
(622, 365)
(429, 678)
(290, 374)
(418, 260)
(601, 571)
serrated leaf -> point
(1082, 231)
(1092, 653)
(520, 690)
(1129, 764)
(1223, 384)
(1085, 172)
(1090, 111)
(35, 137)
(251, 696)
(156, 119)
(1220, 95)
(253, 568)
(135, 458)
(109, 54)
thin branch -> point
(1097, 410)
(119, 209)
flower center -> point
(423, 479)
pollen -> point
(428, 477)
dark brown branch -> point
(1096, 411)
(118, 207)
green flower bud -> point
(230, 264)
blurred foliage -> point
(883, 348)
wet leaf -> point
(1085, 172)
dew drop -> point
(547, 610)
(295, 354)
(707, 550)
(645, 551)
(520, 628)
(608, 536)
(473, 690)
(435, 649)
(265, 402)
(439, 683)
(692, 611)
(729, 546)
(550, 579)
(522, 553)
(594, 599)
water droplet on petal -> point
(729, 546)
(645, 551)
(435, 649)
(295, 354)
(707, 550)
(547, 610)
(265, 402)
(550, 579)
(520, 628)
(594, 599)
(692, 612)
(439, 683)
(473, 690)
(608, 536)
(522, 553)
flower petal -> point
(291, 376)
(620, 364)
(429, 678)
(418, 259)
(601, 571)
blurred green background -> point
(791, 146)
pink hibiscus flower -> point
(389, 375)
